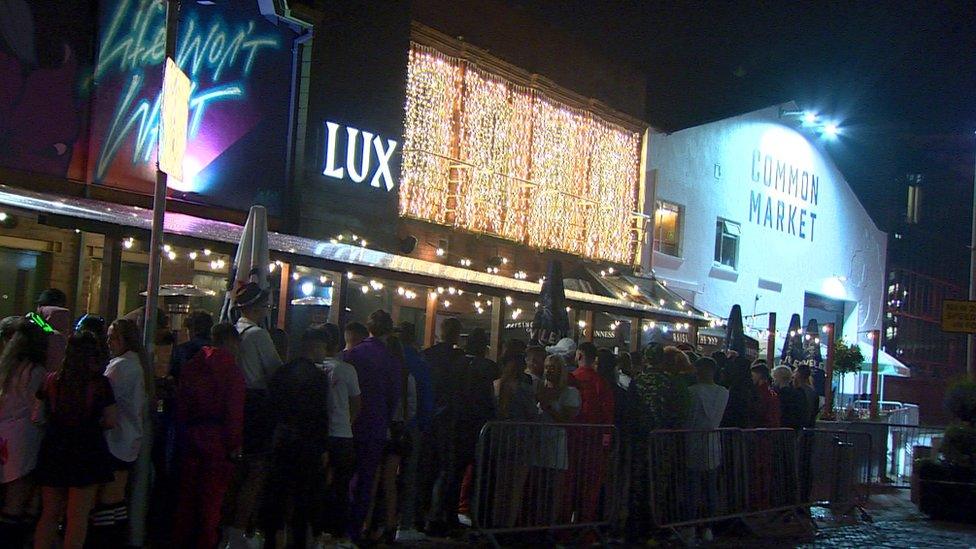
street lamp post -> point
(971, 340)
(159, 205)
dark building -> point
(928, 262)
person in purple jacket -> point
(378, 361)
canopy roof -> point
(349, 256)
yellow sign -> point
(173, 119)
(959, 316)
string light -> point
(488, 155)
(193, 256)
(323, 279)
(128, 243)
(465, 262)
(440, 252)
(447, 303)
(207, 252)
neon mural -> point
(219, 57)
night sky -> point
(899, 78)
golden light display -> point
(487, 155)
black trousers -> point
(342, 465)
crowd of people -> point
(357, 436)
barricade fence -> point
(703, 476)
(548, 476)
(894, 447)
(836, 468)
(545, 476)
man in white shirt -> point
(344, 403)
(258, 360)
(708, 401)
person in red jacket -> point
(768, 416)
(589, 448)
(210, 421)
(769, 410)
(595, 393)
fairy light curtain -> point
(484, 154)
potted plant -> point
(947, 483)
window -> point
(668, 217)
(727, 243)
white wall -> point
(709, 170)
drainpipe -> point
(291, 210)
(280, 10)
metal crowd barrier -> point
(894, 447)
(545, 476)
(697, 477)
(836, 469)
(902, 444)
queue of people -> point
(356, 438)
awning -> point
(355, 256)
(649, 292)
(887, 364)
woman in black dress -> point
(74, 458)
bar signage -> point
(357, 163)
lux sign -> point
(369, 144)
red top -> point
(596, 396)
(211, 394)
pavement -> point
(889, 520)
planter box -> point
(947, 500)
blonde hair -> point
(556, 360)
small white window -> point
(727, 235)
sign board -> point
(175, 114)
(338, 167)
(959, 316)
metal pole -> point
(771, 341)
(159, 205)
(876, 345)
(971, 340)
(828, 413)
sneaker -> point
(406, 535)
(323, 541)
(707, 535)
(465, 520)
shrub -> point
(960, 401)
